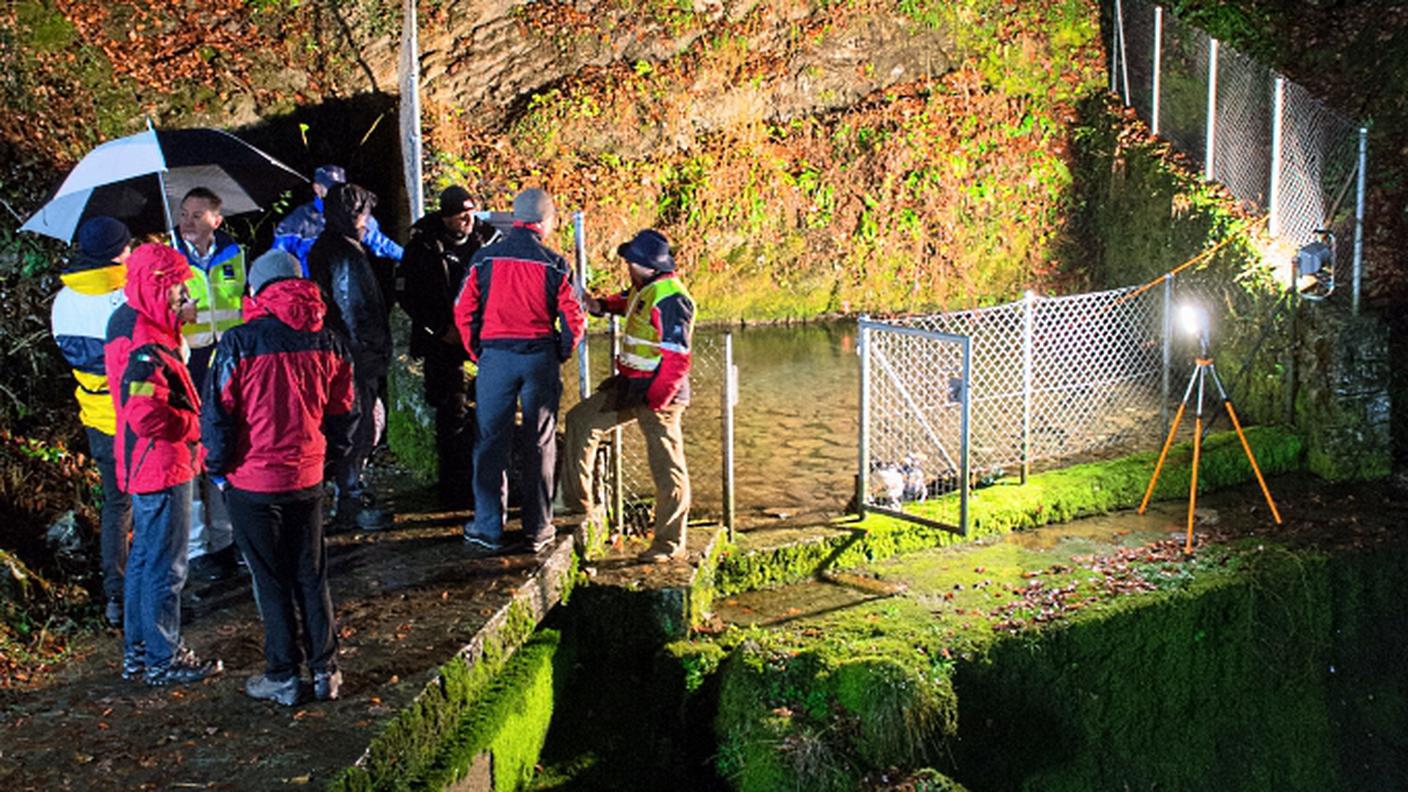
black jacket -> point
(431, 273)
(356, 309)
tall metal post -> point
(964, 468)
(1273, 192)
(730, 398)
(863, 439)
(1028, 323)
(579, 244)
(1168, 347)
(409, 67)
(618, 478)
(1158, 63)
(1212, 109)
(1124, 51)
(1359, 216)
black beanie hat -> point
(103, 238)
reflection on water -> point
(795, 423)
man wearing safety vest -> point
(217, 288)
(651, 387)
(93, 282)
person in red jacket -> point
(519, 318)
(281, 401)
(157, 456)
(651, 388)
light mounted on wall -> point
(1315, 267)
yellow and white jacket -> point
(92, 291)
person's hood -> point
(151, 271)
(93, 276)
(296, 302)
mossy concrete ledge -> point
(468, 686)
(666, 600)
(760, 559)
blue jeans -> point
(156, 573)
(505, 379)
(117, 515)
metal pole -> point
(579, 243)
(1273, 193)
(1359, 216)
(730, 398)
(1028, 322)
(863, 439)
(618, 477)
(412, 156)
(1168, 346)
(1212, 109)
(1114, 48)
(1124, 51)
(1158, 61)
(964, 469)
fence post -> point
(1168, 346)
(1124, 52)
(1028, 322)
(409, 68)
(579, 243)
(863, 439)
(964, 469)
(1212, 109)
(1359, 216)
(1273, 192)
(618, 478)
(1158, 60)
(730, 398)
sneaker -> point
(479, 547)
(660, 555)
(535, 545)
(361, 513)
(133, 666)
(326, 685)
(184, 669)
(263, 688)
(112, 613)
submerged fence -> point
(955, 400)
(1273, 144)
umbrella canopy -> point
(140, 179)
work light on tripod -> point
(1194, 321)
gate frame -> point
(866, 326)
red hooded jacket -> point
(281, 397)
(158, 410)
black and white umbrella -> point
(139, 178)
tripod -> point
(1201, 370)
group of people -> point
(220, 399)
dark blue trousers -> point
(506, 380)
(156, 573)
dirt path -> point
(405, 601)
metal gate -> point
(914, 425)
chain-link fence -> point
(1050, 380)
(1275, 146)
(623, 481)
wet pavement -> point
(406, 600)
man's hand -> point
(593, 305)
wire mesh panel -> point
(1183, 88)
(1137, 17)
(703, 435)
(914, 423)
(1318, 160)
(1240, 158)
(1096, 385)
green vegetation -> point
(1051, 497)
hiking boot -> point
(112, 613)
(481, 547)
(661, 555)
(361, 513)
(184, 669)
(263, 688)
(327, 685)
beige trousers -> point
(587, 425)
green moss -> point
(410, 423)
(1050, 497)
(509, 722)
